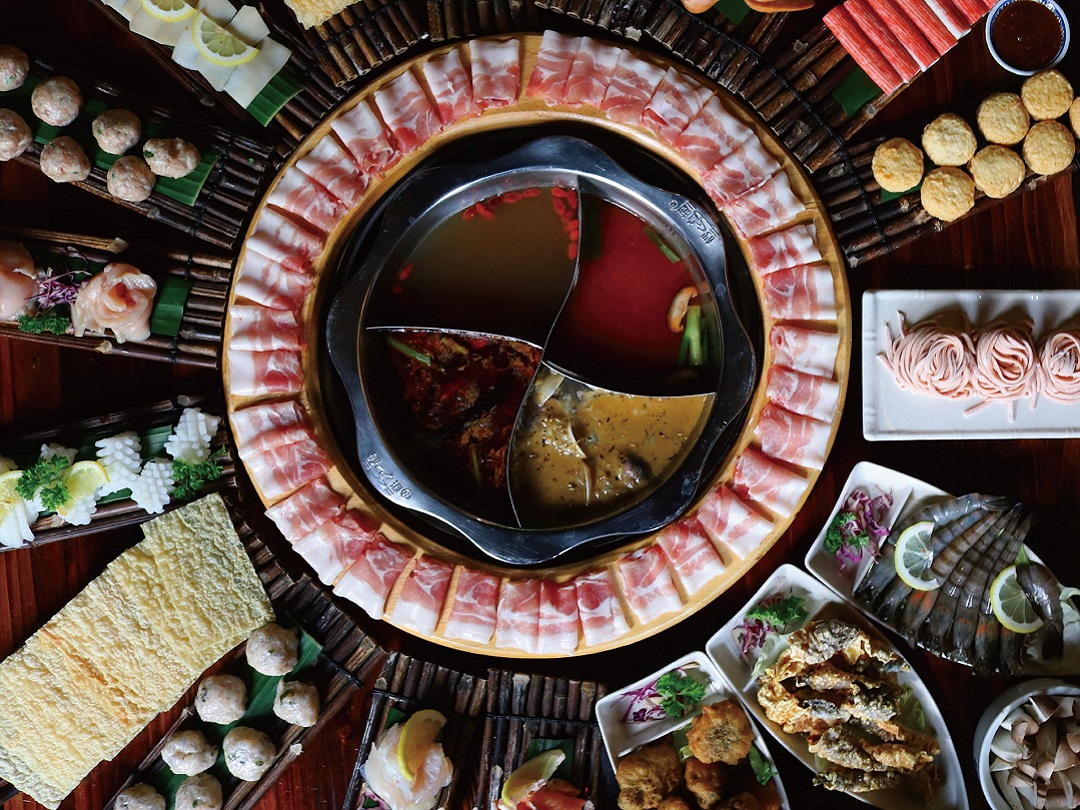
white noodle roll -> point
(1005, 362)
(929, 358)
(1059, 366)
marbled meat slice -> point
(727, 519)
(257, 428)
(713, 133)
(805, 349)
(473, 612)
(765, 208)
(517, 622)
(763, 481)
(782, 249)
(367, 139)
(631, 87)
(334, 168)
(803, 393)
(281, 469)
(306, 510)
(254, 374)
(264, 281)
(592, 72)
(601, 615)
(451, 86)
(674, 104)
(420, 601)
(292, 245)
(407, 112)
(793, 438)
(336, 543)
(496, 72)
(803, 293)
(647, 583)
(735, 174)
(691, 554)
(369, 580)
(260, 329)
(554, 59)
(307, 202)
(560, 628)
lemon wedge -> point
(1011, 605)
(9, 498)
(169, 10)
(914, 556)
(528, 778)
(219, 45)
(417, 737)
(82, 481)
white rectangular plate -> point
(890, 413)
(724, 651)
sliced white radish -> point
(165, 32)
(250, 78)
(249, 25)
(186, 54)
(220, 11)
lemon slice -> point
(913, 557)
(529, 778)
(1011, 605)
(417, 737)
(83, 480)
(169, 10)
(9, 498)
(219, 45)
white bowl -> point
(992, 718)
(1055, 7)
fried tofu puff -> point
(741, 801)
(721, 733)
(674, 803)
(706, 781)
(647, 776)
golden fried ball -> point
(673, 803)
(1047, 95)
(948, 193)
(997, 171)
(1074, 115)
(1003, 118)
(648, 775)
(1049, 147)
(948, 140)
(706, 781)
(897, 165)
(720, 733)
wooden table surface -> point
(1027, 243)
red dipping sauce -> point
(1027, 35)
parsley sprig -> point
(190, 477)
(47, 477)
(763, 770)
(50, 320)
(679, 693)
(779, 614)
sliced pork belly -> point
(647, 584)
(674, 104)
(407, 112)
(592, 72)
(258, 428)
(279, 238)
(803, 393)
(450, 85)
(727, 519)
(255, 374)
(366, 138)
(690, 553)
(782, 249)
(804, 293)
(805, 349)
(281, 469)
(601, 615)
(554, 59)
(261, 329)
(764, 208)
(559, 624)
(712, 134)
(336, 543)
(793, 438)
(306, 510)
(632, 85)
(473, 612)
(517, 622)
(421, 598)
(269, 283)
(369, 580)
(739, 172)
(763, 481)
(307, 202)
(334, 168)
(496, 72)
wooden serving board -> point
(534, 113)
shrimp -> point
(1044, 592)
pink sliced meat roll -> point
(601, 615)
(865, 53)
(554, 59)
(712, 134)
(735, 174)
(560, 628)
(765, 208)
(691, 554)
(783, 249)
(260, 329)
(407, 112)
(727, 519)
(790, 437)
(269, 283)
(292, 245)
(256, 374)
(674, 105)
(763, 481)
(950, 16)
(450, 85)
(910, 37)
(261, 427)
(369, 580)
(282, 469)
(473, 612)
(496, 72)
(647, 583)
(592, 72)
(924, 18)
(517, 622)
(885, 40)
(805, 349)
(336, 544)
(366, 139)
(420, 601)
(307, 202)
(306, 510)
(804, 293)
(803, 393)
(334, 168)
(634, 83)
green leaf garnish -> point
(190, 477)
(779, 614)
(678, 693)
(46, 475)
(48, 321)
(763, 770)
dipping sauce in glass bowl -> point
(1027, 35)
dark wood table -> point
(1027, 243)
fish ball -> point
(297, 703)
(221, 699)
(272, 650)
(116, 131)
(199, 792)
(14, 68)
(64, 161)
(140, 797)
(57, 101)
(130, 179)
(15, 135)
(188, 753)
(171, 157)
(248, 753)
